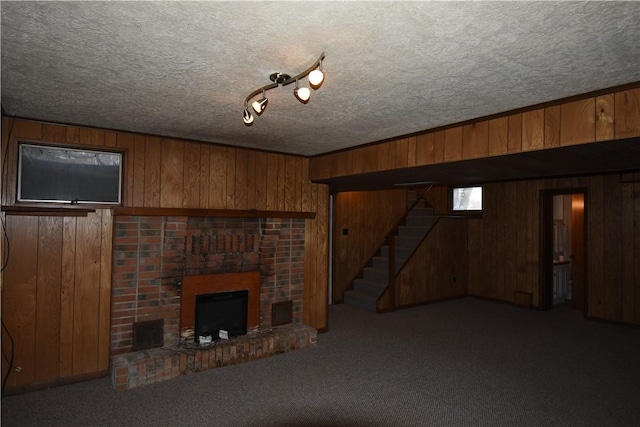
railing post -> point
(392, 271)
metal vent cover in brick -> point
(148, 334)
(281, 313)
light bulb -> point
(247, 117)
(316, 77)
(302, 93)
(259, 105)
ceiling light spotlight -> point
(302, 93)
(316, 77)
(247, 116)
(259, 105)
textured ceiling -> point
(183, 69)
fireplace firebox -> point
(221, 315)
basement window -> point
(466, 199)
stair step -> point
(403, 253)
(418, 231)
(419, 204)
(359, 300)
(414, 221)
(373, 289)
(382, 263)
(408, 241)
(421, 211)
(376, 275)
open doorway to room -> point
(563, 249)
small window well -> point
(466, 199)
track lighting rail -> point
(282, 79)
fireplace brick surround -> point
(153, 255)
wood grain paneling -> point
(86, 298)
(48, 288)
(412, 151)
(498, 134)
(514, 137)
(425, 149)
(67, 295)
(191, 176)
(139, 157)
(152, 172)
(172, 178)
(453, 144)
(475, 140)
(627, 113)
(438, 269)
(587, 120)
(19, 297)
(402, 153)
(438, 140)
(217, 177)
(533, 130)
(59, 279)
(241, 189)
(595, 247)
(281, 182)
(104, 293)
(552, 127)
(251, 179)
(605, 129)
(612, 232)
(510, 226)
(316, 261)
(578, 122)
(261, 187)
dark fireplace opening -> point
(220, 315)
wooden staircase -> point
(405, 239)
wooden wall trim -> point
(228, 213)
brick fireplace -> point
(155, 255)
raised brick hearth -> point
(152, 257)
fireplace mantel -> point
(228, 213)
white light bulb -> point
(247, 117)
(316, 77)
(302, 93)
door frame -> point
(546, 247)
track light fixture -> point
(247, 116)
(302, 94)
(259, 105)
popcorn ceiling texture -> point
(183, 69)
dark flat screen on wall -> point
(68, 175)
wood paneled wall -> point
(510, 228)
(56, 296)
(438, 268)
(367, 217)
(159, 173)
(171, 173)
(599, 118)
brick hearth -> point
(159, 364)
(153, 254)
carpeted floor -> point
(464, 362)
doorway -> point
(563, 260)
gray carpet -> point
(463, 362)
